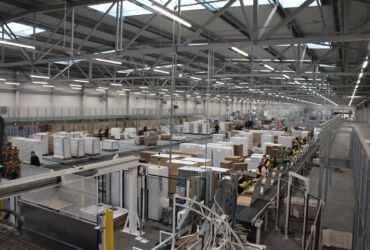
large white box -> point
(218, 153)
(44, 138)
(110, 145)
(246, 141)
(25, 146)
(265, 139)
(116, 133)
(62, 147)
(249, 137)
(286, 141)
(157, 184)
(218, 137)
(130, 133)
(77, 147)
(92, 145)
(193, 147)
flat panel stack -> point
(77, 147)
(44, 138)
(92, 146)
(62, 147)
(110, 145)
(199, 161)
(25, 147)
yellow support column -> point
(109, 231)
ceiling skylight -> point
(131, 9)
(294, 3)
(20, 30)
(318, 46)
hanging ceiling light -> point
(167, 13)
(41, 77)
(108, 61)
(17, 44)
(241, 52)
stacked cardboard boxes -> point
(150, 138)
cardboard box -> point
(238, 150)
(176, 164)
(166, 137)
(257, 138)
(226, 164)
(240, 166)
(199, 161)
(145, 155)
(162, 159)
(234, 158)
(186, 153)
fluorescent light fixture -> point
(164, 89)
(103, 88)
(76, 88)
(137, 93)
(360, 75)
(77, 80)
(364, 65)
(179, 91)
(197, 44)
(41, 83)
(165, 12)
(268, 66)
(108, 61)
(244, 83)
(2, 79)
(143, 87)
(17, 44)
(11, 83)
(48, 86)
(152, 94)
(41, 77)
(75, 85)
(195, 78)
(221, 83)
(125, 89)
(122, 94)
(116, 84)
(161, 71)
(286, 76)
(240, 51)
(145, 91)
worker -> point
(267, 162)
(217, 128)
(34, 161)
(106, 132)
(242, 183)
(101, 133)
(261, 170)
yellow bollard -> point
(109, 231)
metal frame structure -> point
(73, 31)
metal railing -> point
(65, 113)
(314, 239)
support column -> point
(17, 102)
(128, 103)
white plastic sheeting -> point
(62, 147)
(92, 145)
(44, 138)
(77, 147)
(25, 146)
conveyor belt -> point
(248, 214)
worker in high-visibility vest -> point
(242, 183)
